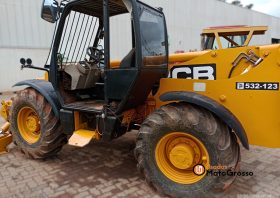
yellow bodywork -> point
(81, 138)
(257, 110)
(235, 30)
(5, 138)
(227, 31)
(4, 111)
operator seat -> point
(129, 60)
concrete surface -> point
(109, 170)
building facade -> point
(24, 34)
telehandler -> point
(192, 112)
(221, 37)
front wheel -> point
(36, 130)
(176, 138)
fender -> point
(46, 89)
(212, 106)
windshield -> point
(152, 25)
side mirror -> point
(50, 10)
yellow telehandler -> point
(5, 135)
(193, 109)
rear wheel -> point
(36, 130)
(176, 138)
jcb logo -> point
(196, 72)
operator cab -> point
(81, 69)
(229, 36)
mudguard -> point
(46, 89)
(214, 107)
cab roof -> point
(95, 7)
(235, 30)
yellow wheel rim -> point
(29, 125)
(176, 155)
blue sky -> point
(271, 7)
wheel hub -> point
(182, 156)
(183, 153)
(32, 123)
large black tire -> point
(51, 139)
(220, 142)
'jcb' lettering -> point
(182, 71)
(205, 73)
(194, 72)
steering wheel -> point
(95, 54)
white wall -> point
(10, 72)
(24, 34)
(21, 25)
(187, 18)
